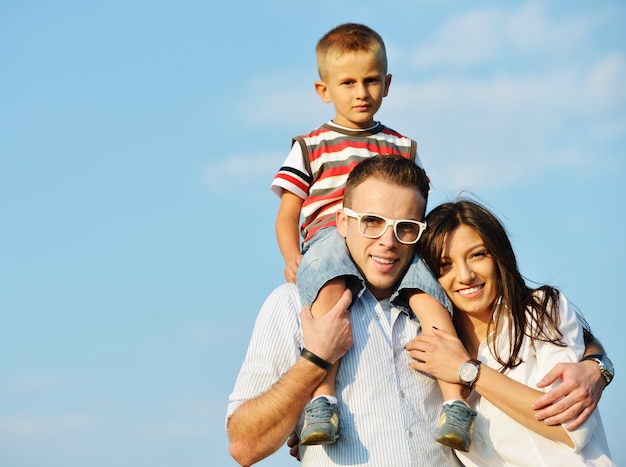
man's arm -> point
(575, 399)
(261, 425)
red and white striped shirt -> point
(319, 163)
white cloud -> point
(606, 83)
(188, 419)
(497, 131)
(531, 27)
(528, 31)
(29, 428)
(231, 175)
(199, 407)
(167, 430)
(463, 40)
(504, 96)
(33, 383)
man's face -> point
(382, 261)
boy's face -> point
(384, 260)
(355, 83)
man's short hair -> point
(396, 170)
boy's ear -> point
(387, 84)
(341, 221)
(322, 90)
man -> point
(389, 413)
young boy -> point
(352, 66)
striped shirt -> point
(319, 163)
(388, 412)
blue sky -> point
(138, 140)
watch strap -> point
(599, 359)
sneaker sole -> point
(453, 442)
(314, 439)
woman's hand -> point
(439, 355)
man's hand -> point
(574, 399)
(329, 336)
(294, 445)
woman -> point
(511, 336)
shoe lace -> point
(319, 410)
(459, 415)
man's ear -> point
(342, 223)
(322, 90)
(387, 84)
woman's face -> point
(468, 272)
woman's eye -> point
(444, 267)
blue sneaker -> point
(456, 425)
(321, 422)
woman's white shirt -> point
(498, 440)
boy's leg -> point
(324, 273)
(457, 418)
(321, 417)
(328, 297)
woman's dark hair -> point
(531, 312)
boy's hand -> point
(291, 268)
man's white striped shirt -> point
(388, 412)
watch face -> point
(607, 364)
(468, 372)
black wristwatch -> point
(468, 372)
(605, 364)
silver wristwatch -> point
(604, 363)
(469, 372)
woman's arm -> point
(441, 355)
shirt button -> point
(376, 316)
(402, 395)
(409, 434)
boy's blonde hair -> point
(350, 37)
